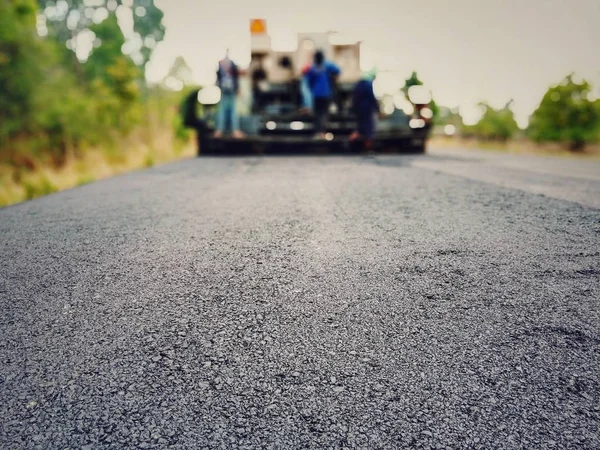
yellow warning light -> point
(258, 26)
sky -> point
(465, 51)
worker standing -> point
(366, 108)
(318, 78)
(307, 103)
(228, 82)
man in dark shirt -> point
(366, 107)
(228, 82)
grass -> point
(18, 184)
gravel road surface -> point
(449, 300)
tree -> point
(109, 40)
(435, 110)
(44, 111)
(109, 70)
(566, 114)
(64, 20)
(147, 23)
(448, 116)
(71, 79)
(21, 66)
(414, 80)
(495, 124)
(179, 75)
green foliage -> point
(60, 104)
(182, 133)
(38, 187)
(85, 179)
(190, 109)
(39, 97)
(149, 26)
(566, 114)
(435, 109)
(20, 72)
(114, 76)
(413, 80)
(149, 160)
(109, 41)
(75, 16)
(24, 11)
(52, 103)
(495, 124)
(448, 116)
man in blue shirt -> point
(318, 78)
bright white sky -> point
(465, 51)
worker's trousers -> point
(227, 114)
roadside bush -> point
(149, 160)
(494, 125)
(566, 114)
(85, 179)
(38, 187)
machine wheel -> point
(419, 149)
(418, 145)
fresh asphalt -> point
(449, 300)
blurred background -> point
(92, 88)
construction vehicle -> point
(270, 104)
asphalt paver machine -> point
(271, 110)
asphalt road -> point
(449, 300)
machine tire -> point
(420, 149)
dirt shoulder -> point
(515, 146)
